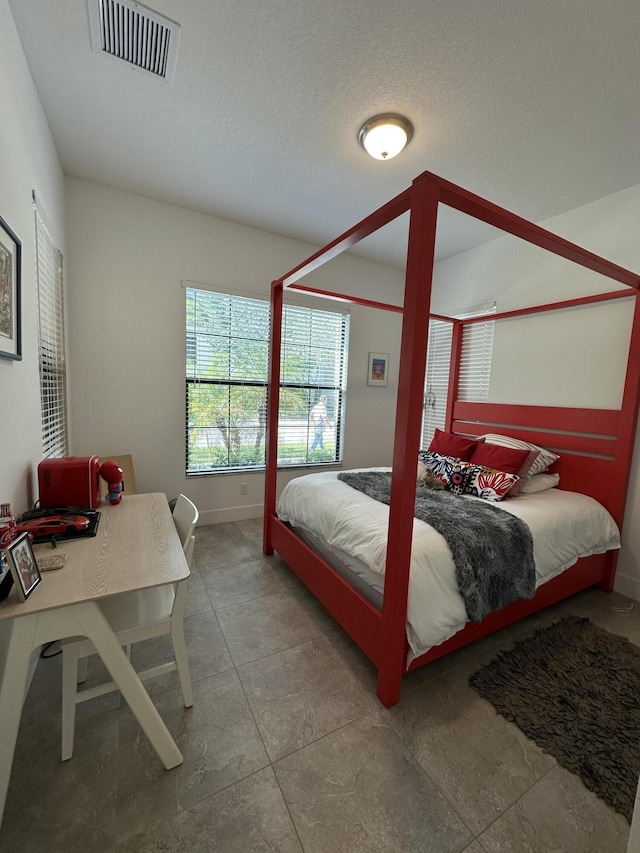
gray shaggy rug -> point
(574, 689)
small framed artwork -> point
(10, 272)
(24, 568)
(378, 368)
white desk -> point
(136, 547)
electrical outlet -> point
(244, 488)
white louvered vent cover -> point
(136, 35)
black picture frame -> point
(10, 293)
(23, 565)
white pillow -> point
(539, 483)
(421, 470)
(544, 460)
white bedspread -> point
(564, 526)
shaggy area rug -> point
(574, 689)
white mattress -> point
(564, 526)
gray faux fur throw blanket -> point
(492, 549)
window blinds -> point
(53, 380)
(227, 367)
(475, 366)
(436, 378)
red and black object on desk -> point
(73, 481)
(65, 522)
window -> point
(475, 366)
(227, 361)
(53, 373)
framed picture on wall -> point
(378, 368)
(10, 272)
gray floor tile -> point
(197, 599)
(54, 806)
(301, 694)
(253, 529)
(558, 814)
(217, 737)
(264, 626)
(357, 790)
(219, 545)
(206, 650)
(479, 761)
(247, 817)
(614, 612)
(244, 582)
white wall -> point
(28, 161)
(127, 259)
(572, 358)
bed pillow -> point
(436, 461)
(455, 476)
(490, 484)
(452, 472)
(539, 483)
(421, 470)
(450, 444)
(545, 457)
(511, 460)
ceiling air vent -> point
(136, 35)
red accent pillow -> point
(508, 459)
(502, 458)
(450, 444)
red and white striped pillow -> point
(543, 461)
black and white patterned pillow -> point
(453, 473)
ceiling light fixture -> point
(385, 135)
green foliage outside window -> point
(227, 362)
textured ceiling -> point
(531, 103)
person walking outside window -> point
(319, 420)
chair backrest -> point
(185, 517)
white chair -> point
(135, 617)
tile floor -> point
(287, 749)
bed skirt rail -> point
(359, 618)
(596, 570)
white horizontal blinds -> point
(475, 359)
(436, 378)
(53, 380)
(227, 368)
(314, 356)
(227, 356)
(475, 366)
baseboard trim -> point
(628, 586)
(232, 513)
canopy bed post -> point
(454, 372)
(626, 437)
(413, 348)
(273, 405)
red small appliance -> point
(71, 481)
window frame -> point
(292, 386)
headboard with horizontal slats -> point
(587, 441)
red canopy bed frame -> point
(602, 438)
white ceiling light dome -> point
(384, 136)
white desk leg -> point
(12, 690)
(98, 630)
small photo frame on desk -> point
(378, 368)
(24, 568)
